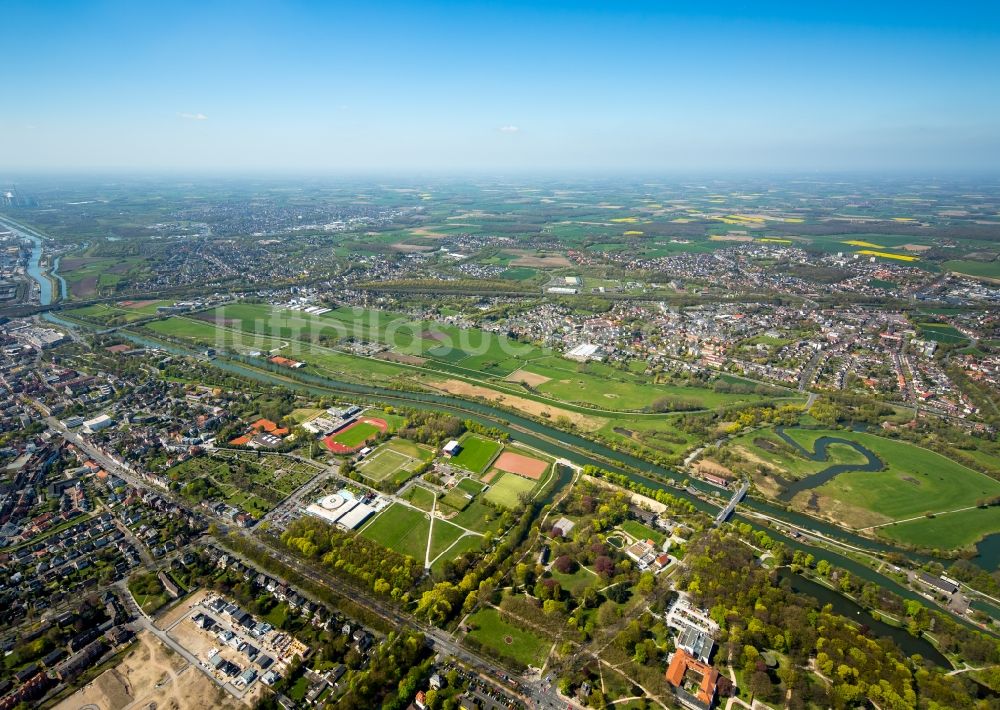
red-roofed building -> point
(694, 682)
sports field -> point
(401, 529)
(507, 489)
(521, 465)
(405, 530)
(476, 453)
(383, 463)
(350, 439)
(508, 640)
(457, 499)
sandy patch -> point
(489, 476)
(136, 304)
(151, 676)
(529, 378)
(915, 247)
(181, 609)
(530, 406)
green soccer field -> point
(401, 529)
(383, 463)
(476, 453)
(506, 489)
(357, 434)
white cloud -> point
(509, 129)
(193, 116)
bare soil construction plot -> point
(150, 676)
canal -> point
(551, 441)
(910, 644)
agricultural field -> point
(983, 269)
(506, 639)
(941, 332)
(476, 454)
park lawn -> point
(476, 454)
(444, 536)
(641, 531)
(420, 497)
(915, 480)
(401, 529)
(578, 581)
(357, 434)
(507, 488)
(465, 544)
(383, 463)
(946, 532)
(492, 631)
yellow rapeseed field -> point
(887, 255)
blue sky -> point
(624, 86)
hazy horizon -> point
(517, 89)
